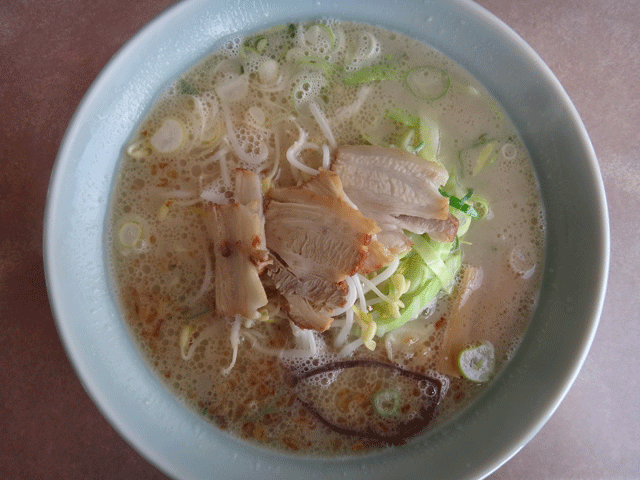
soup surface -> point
(325, 237)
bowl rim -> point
(509, 443)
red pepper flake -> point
(225, 249)
(290, 443)
(156, 331)
(440, 323)
(153, 314)
(357, 447)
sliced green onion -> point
(407, 139)
(480, 205)
(459, 203)
(332, 36)
(430, 135)
(382, 71)
(317, 28)
(169, 136)
(485, 157)
(256, 44)
(212, 135)
(480, 153)
(268, 72)
(139, 149)
(428, 83)
(477, 363)
(467, 195)
(327, 67)
(234, 89)
(402, 117)
(386, 401)
(130, 233)
(261, 45)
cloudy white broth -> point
(326, 238)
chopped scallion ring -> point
(129, 234)
(139, 149)
(268, 72)
(261, 45)
(169, 136)
(312, 33)
(429, 82)
(386, 401)
(477, 363)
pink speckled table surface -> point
(50, 52)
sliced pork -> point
(237, 233)
(318, 240)
(398, 189)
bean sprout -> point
(349, 348)
(358, 287)
(322, 123)
(208, 274)
(295, 149)
(326, 157)
(234, 337)
(372, 288)
(386, 274)
(251, 158)
(346, 112)
(346, 329)
(351, 298)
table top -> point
(51, 51)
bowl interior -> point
(518, 402)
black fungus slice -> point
(349, 397)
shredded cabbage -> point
(425, 287)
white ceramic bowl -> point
(517, 403)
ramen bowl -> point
(178, 441)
